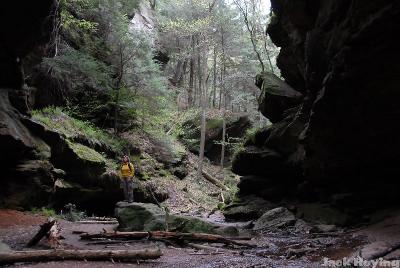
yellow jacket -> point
(127, 170)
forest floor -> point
(274, 249)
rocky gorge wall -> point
(21, 31)
(333, 137)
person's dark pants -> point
(127, 186)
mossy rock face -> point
(81, 163)
(86, 154)
(150, 217)
(189, 224)
(140, 217)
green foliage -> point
(79, 70)
(86, 153)
(57, 119)
(45, 211)
(251, 132)
(73, 214)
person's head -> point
(125, 159)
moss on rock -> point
(86, 153)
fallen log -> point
(210, 178)
(202, 247)
(100, 219)
(116, 235)
(163, 235)
(92, 255)
(97, 222)
(214, 180)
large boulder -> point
(276, 96)
(82, 164)
(248, 208)
(258, 161)
(150, 217)
(274, 219)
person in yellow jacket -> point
(127, 173)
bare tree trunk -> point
(223, 134)
(203, 114)
(267, 53)
(153, 4)
(118, 88)
(191, 77)
(214, 77)
(181, 77)
(223, 75)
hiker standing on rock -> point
(127, 173)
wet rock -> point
(275, 218)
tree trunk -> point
(116, 112)
(181, 77)
(214, 181)
(223, 133)
(91, 255)
(203, 115)
(191, 77)
(177, 74)
(214, 77)
(223, 75)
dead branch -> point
(50, 229)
